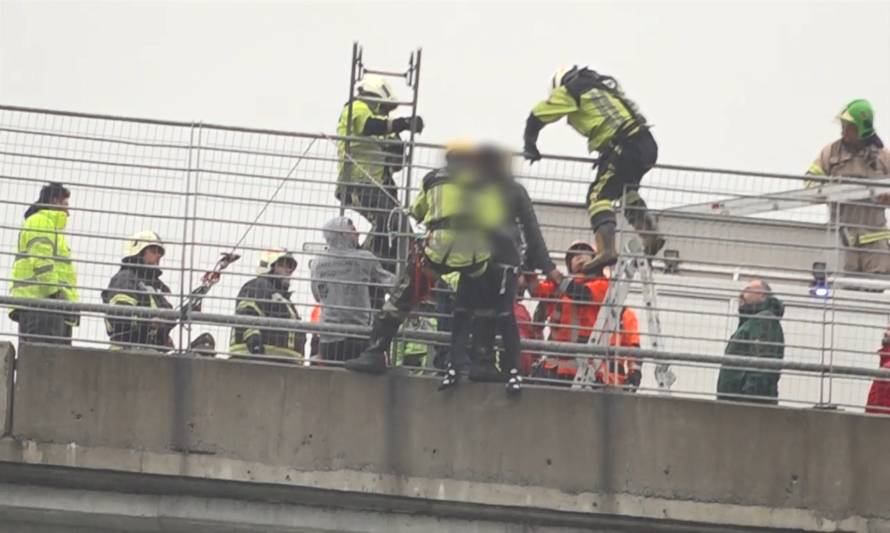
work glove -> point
(531, 153)
(405, 124)
(255, 345)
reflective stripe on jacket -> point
(593, 111)
(42, 266)
(861, 222)
(375, 158)
(577, 319)
(264, 296)
(136, 285)
(460, 210)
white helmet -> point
(559, 77)
(377, 87)
(269, 257)
(140, 241)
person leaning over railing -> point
(572, 316)
(138, 284)
(268, 296)
(759, 334)
(859, 153)
(43, 268)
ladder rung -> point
(381, 100)
(386, 73)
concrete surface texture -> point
(7, 366)
(557, 450)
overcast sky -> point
(742, 85)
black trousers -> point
(40, 326)
(484, 307)
(374, 203)
(344, 350)
(622, 167)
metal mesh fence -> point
(205, 189)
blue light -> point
(820, 291)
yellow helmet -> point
(461, 147)
(141, 240)
(269, 257)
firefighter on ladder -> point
(365, 181)
(572, 315)
(596, 107)
(859, 153)
(268, 296)
(460, 209)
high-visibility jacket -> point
(417, 352)
(526, 331)
(42, 266)
(861, 223)
(573, 319)
(137, 285)
(460, 210)
(618, 370)
(374, 159)
(265, 296)
(596, 111)
(879, 393)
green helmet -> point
(861, 114)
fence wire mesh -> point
(206, 189)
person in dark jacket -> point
(268, 296)
(138, 284)
(759, 334)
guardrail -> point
(203, 187)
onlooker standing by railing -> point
(43, 268)
(759, 334)
(859, 153)
(879, 395)
(341, 281)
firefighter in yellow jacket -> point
(43, 269)
(596, 107)
(859, 153)
(370, 157)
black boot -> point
(373, 359)
(645, 224)
(605, 250)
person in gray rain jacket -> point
(342, 278)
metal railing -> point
(203, 187)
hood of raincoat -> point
(337, 233)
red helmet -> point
(572, 251)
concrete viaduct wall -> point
(591, 454)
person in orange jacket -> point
(879, 394)
(572, 314)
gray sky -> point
(742, 85)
